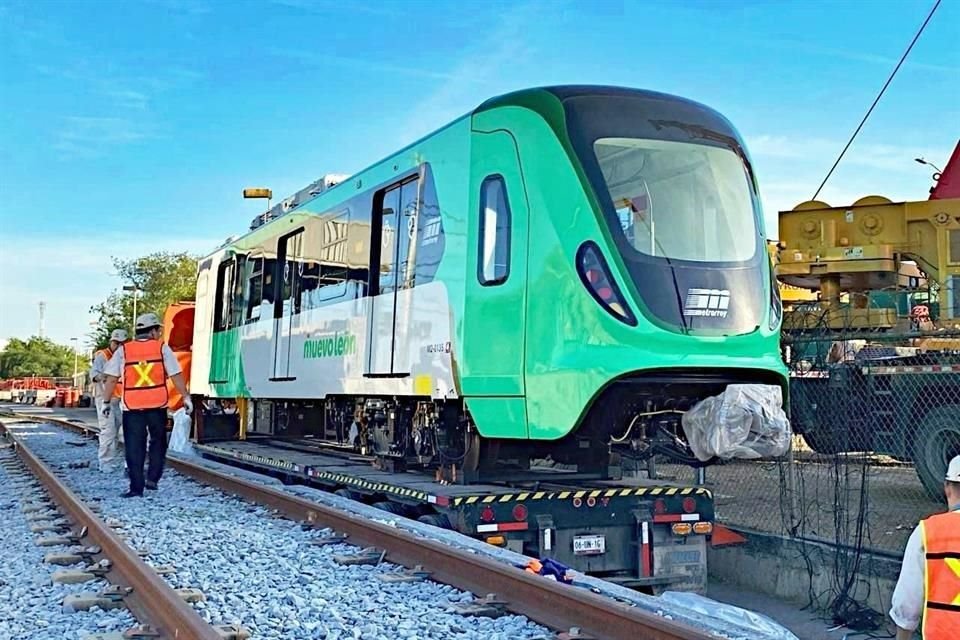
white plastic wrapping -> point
(180, 438)
(760, 626)
(745, 421)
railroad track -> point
(160, 609)
(576, 612)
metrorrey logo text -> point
(339, 344)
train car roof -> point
(544, 100)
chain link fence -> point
(876, 418)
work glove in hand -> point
(105, 412)
(188, 405)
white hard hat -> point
(120, 335)
(953, 471)
(148, 321)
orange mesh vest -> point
(117, 390)
(144, 378)
(941, 587)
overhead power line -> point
(877, 99)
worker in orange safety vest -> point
(928, 590)
(109, 434)
(143, 366)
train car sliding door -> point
(395, 224)
(289, 264)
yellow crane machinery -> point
(871, 245)
(789, 294)
(869, 376)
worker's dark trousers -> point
(136, 425)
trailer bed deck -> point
(357, 472)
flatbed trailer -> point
(644, 534)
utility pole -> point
(74, 341)
(43, 309)
(134, 290)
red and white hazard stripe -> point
(503, 526)
(646, 561)
(677, 517)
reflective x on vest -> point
(145, 379)
(941, 608)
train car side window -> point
(254, 289)
(325, 273)
(431, 238)
(493, 264)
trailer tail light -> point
(689, 505)
(703, 527)
(659, 506)
(595, 276)
(520, 513)
(487, 514)
(682, 528)
(497, 541)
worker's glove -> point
(105, 412)
(188, 405)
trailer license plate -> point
(589, 545)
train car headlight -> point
(595, 276)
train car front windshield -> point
(680, 202)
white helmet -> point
(953, 470)
(148, 321)
(119, 335)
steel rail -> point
(560, 607)
(152, 600)
(545, 601)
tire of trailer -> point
(389, 507)
(436, 519)
(935, 442)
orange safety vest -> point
(144, 377)
(941, 585)
(118, 389)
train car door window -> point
(289, 280)
(254, 295)
(397, 222)
(493, 266)
(403, 307)
(223, 311)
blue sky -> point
(128, 127)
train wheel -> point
(935, 443)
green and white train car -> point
(560, 273)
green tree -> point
(162, 278)
(38, 357)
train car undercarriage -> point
(634, 418)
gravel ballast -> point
(255, 568)
(30, 603)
